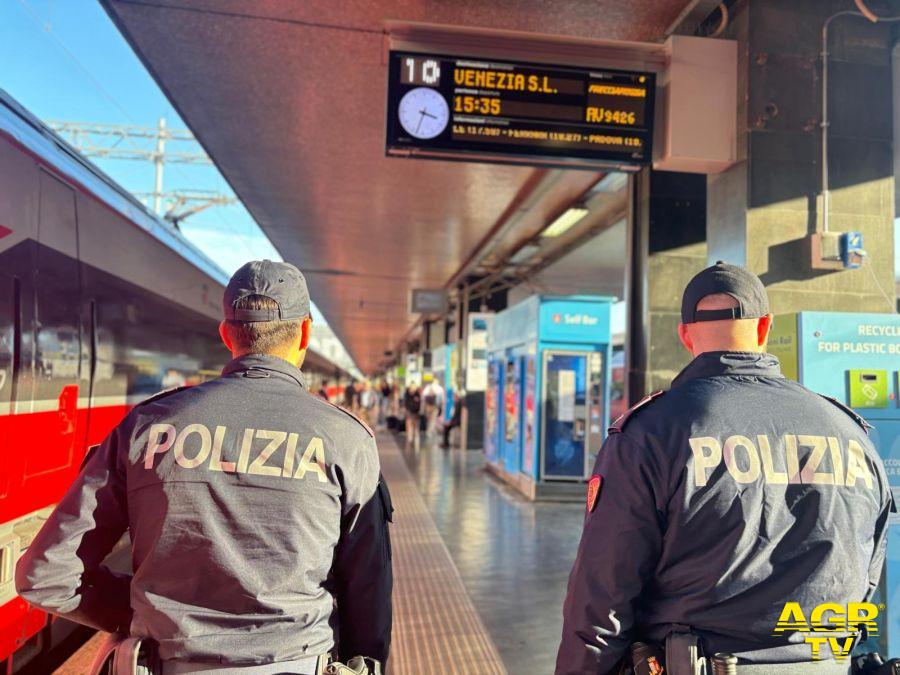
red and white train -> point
(101, 305)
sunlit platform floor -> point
(479, 573)
(513, 556)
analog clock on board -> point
(423, 112)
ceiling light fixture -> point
(564, 221)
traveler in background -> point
(368, 403)
(455, 417)
(323, 389)
(412, 404)
(385, 402)
(351, 397)
(433, 400)
(395, 410)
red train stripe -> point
(45, 451)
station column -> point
(764, 211)
(666, 247)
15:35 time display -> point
(481, 105)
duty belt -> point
(120, 655)
(683, 657)
(804, 668)
(308, 664)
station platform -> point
(479, 572)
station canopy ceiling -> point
(288, 98)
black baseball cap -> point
(733, 280)
(279, 281)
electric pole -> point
(148, 144)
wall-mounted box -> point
(696, 128)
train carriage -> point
(101, 305)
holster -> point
(874, 664)
(358, 665)
(683, 654)
(123, 655)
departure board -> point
(482, 109)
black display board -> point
(484, 109)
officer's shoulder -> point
(855, 416)
(165, 393)
(328, 405)
(618, 426)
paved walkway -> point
(436, 627)
(514, 556)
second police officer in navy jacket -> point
(715, 503)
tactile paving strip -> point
(437, 630)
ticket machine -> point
(546, 408)
(856, 358)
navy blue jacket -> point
(732, 493)
(257, 520)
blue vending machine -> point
(547, 405)
(492, 412)
(855, 358)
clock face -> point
(423, 112)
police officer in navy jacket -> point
(256, 512)
(715, 503)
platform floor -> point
(479, 573)
(514, 556)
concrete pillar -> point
(762, 211)
(666, 247)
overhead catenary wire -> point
(48, 30)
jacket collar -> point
(264, 364)
(711, 364)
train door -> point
(512, 405)
(56, 340)
(10, 298)
(10, 290)
(572, 412)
